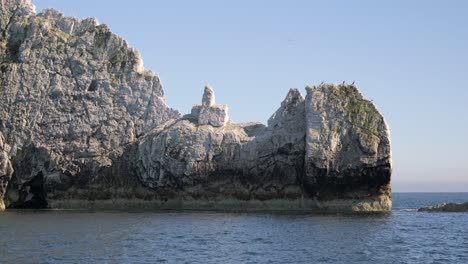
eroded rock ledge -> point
(84, 123)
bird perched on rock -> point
(343, 82)
(353, 82)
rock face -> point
(83, 120)
(347, 147)
(72, 91)
(331, 146)
(247, 161)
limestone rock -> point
(208, 97)
(83, 120)
(209, 113)
(249, 161)
(216, 115)
(347, 145)
(73, 89)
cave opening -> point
(32, 194)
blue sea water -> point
(402, 236)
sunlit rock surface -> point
(84, 124)
(348, 151)
(209, 113)
(251, 161)
(73, 92)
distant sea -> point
(402, 236)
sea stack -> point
(85, 124)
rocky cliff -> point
(82, 120)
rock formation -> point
(446, 207)
(347, 146)
(83, 120)
(72, 91)
(245, 161)
(209, 113)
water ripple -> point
(204, 237)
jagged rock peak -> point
(10, 9)
(293, 97)
(17, 7)
(292, 107)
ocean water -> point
(402, 236)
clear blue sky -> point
(409, 57)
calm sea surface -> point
(403, 236)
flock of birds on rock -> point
(343, 82)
